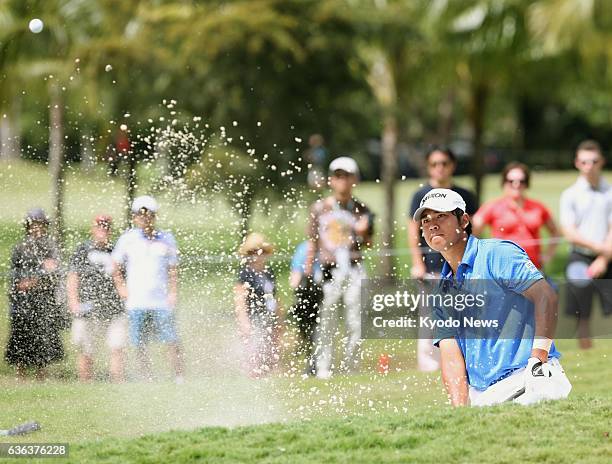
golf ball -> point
(36, 25)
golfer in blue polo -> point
(514, 359)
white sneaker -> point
(180, 380)
(324, 375)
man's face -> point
(144, 219)
(101, 233)
(440, 167)
(342, 182)
(442, 230)
(589, 163)
(38, 229)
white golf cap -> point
(344, 163)
(145, 202)
(441, 200)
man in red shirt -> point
(518, 218)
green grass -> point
(221, 416)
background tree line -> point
(379, 79)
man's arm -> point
(545, 302)
(72, 293)
(454, 374)
(554, 235)
(478, 225)
(313, 240)
(119, 280)
(417, 270)
(600, 265)
(573, 236)
(172, 286)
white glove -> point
(537, 382)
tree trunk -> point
(245, 211)
(9, 133)
(389, 176)
(56, 160)
(88, 152)
(131, 182)
(445, 118)
(479, 93)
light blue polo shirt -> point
(502, 271)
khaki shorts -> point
(87, 333)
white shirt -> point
(147, 262)
(588, 209)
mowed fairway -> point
(219, 415)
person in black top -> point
(36, 315)
(427, 263)
(94, 303)
(256, 305)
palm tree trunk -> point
(479, 93)
(56, 160)
(131, 182)
(9, 132)
(389, 176)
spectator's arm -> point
(240, 307)
(72, 293)
(599, 267)
(119, 281)
(312, 232)
(295, 278)
(573, 236)
(418, 266)
(554, 235)
(478, 224)
(454, 375)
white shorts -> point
(512, 388)
(86, 333)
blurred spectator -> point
(340, 229)
(36, 316)
(256, 306)
(150, 285)
(308, 298)
(94, 303)
(316, 157)
(427, 263)
(586, 220)
(518, 218)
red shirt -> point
(521, 225)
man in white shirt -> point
(149, 288)
(586, 220)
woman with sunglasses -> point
(518, 218)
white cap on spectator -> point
(344, 163)
(145, 202)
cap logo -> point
(433, 195)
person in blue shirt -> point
(514, 360)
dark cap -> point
(36, 215)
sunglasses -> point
(516, 181)
(435, 164)
(586, 162)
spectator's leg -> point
(352, 301)
(332, 292)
